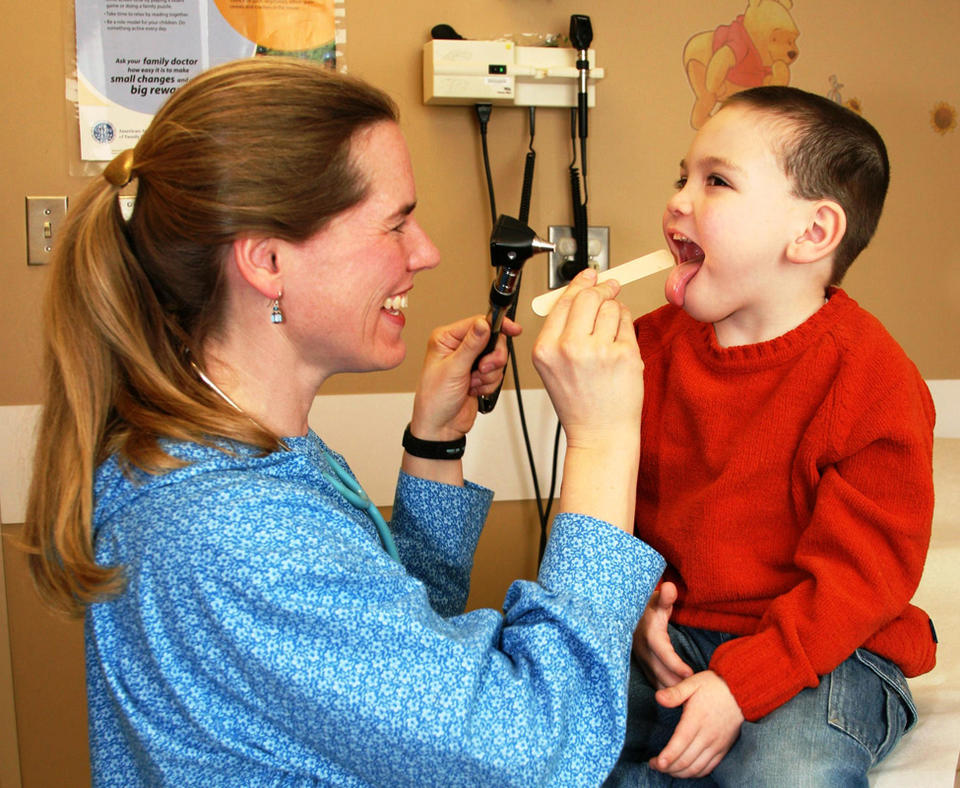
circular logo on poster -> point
(103, 132)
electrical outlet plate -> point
(598, 241)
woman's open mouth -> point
(394, 304)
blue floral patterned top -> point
(265, 638)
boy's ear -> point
(825, 229)
(256, 260)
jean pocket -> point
(870, 701)
(894, 681)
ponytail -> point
(117, 379)
(131, 303)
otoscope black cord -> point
(483, 116)
(573, 138)
(528, 166)
(543, 511)
(583, 156)
(581, 259)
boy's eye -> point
(716, 180)
(680, 182)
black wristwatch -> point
(434, 450)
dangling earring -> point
(276, 316)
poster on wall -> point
(132, 54)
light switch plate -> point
(45, 217)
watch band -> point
(433, 450)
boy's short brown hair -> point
(829, 152)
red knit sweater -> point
(789, 485)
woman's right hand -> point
(588, 358)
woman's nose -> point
(424, 254)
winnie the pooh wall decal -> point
(756, 48)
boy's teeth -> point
(395, 303)
(687, 250)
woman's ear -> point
(825, 229)
(255, 259)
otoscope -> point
(581, 35)
(511, 244)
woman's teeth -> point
(395, 303)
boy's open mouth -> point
(686, 250)
(689, 258)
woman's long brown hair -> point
(259, 146)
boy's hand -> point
(651, 641)
(708, 727)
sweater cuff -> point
(759, 672)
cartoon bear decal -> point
(756, 48)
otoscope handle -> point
(487, 402)
(511, 243)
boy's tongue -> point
(680, 275)
(692, 256)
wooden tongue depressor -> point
(627, 272)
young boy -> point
(786, 467)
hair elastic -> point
(119, 172)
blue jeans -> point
(829, 735)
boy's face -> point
(730, 223)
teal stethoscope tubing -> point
(343, 482)
(350, 489)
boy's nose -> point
(679, 203)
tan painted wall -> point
(896, 58)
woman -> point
(246, 623)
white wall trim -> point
(946, 399)
(366, 429)
(17, 436)
(495, 456)
(9, 748)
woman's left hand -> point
(445, 405)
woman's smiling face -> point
(345, 287)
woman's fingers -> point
(586, 305)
